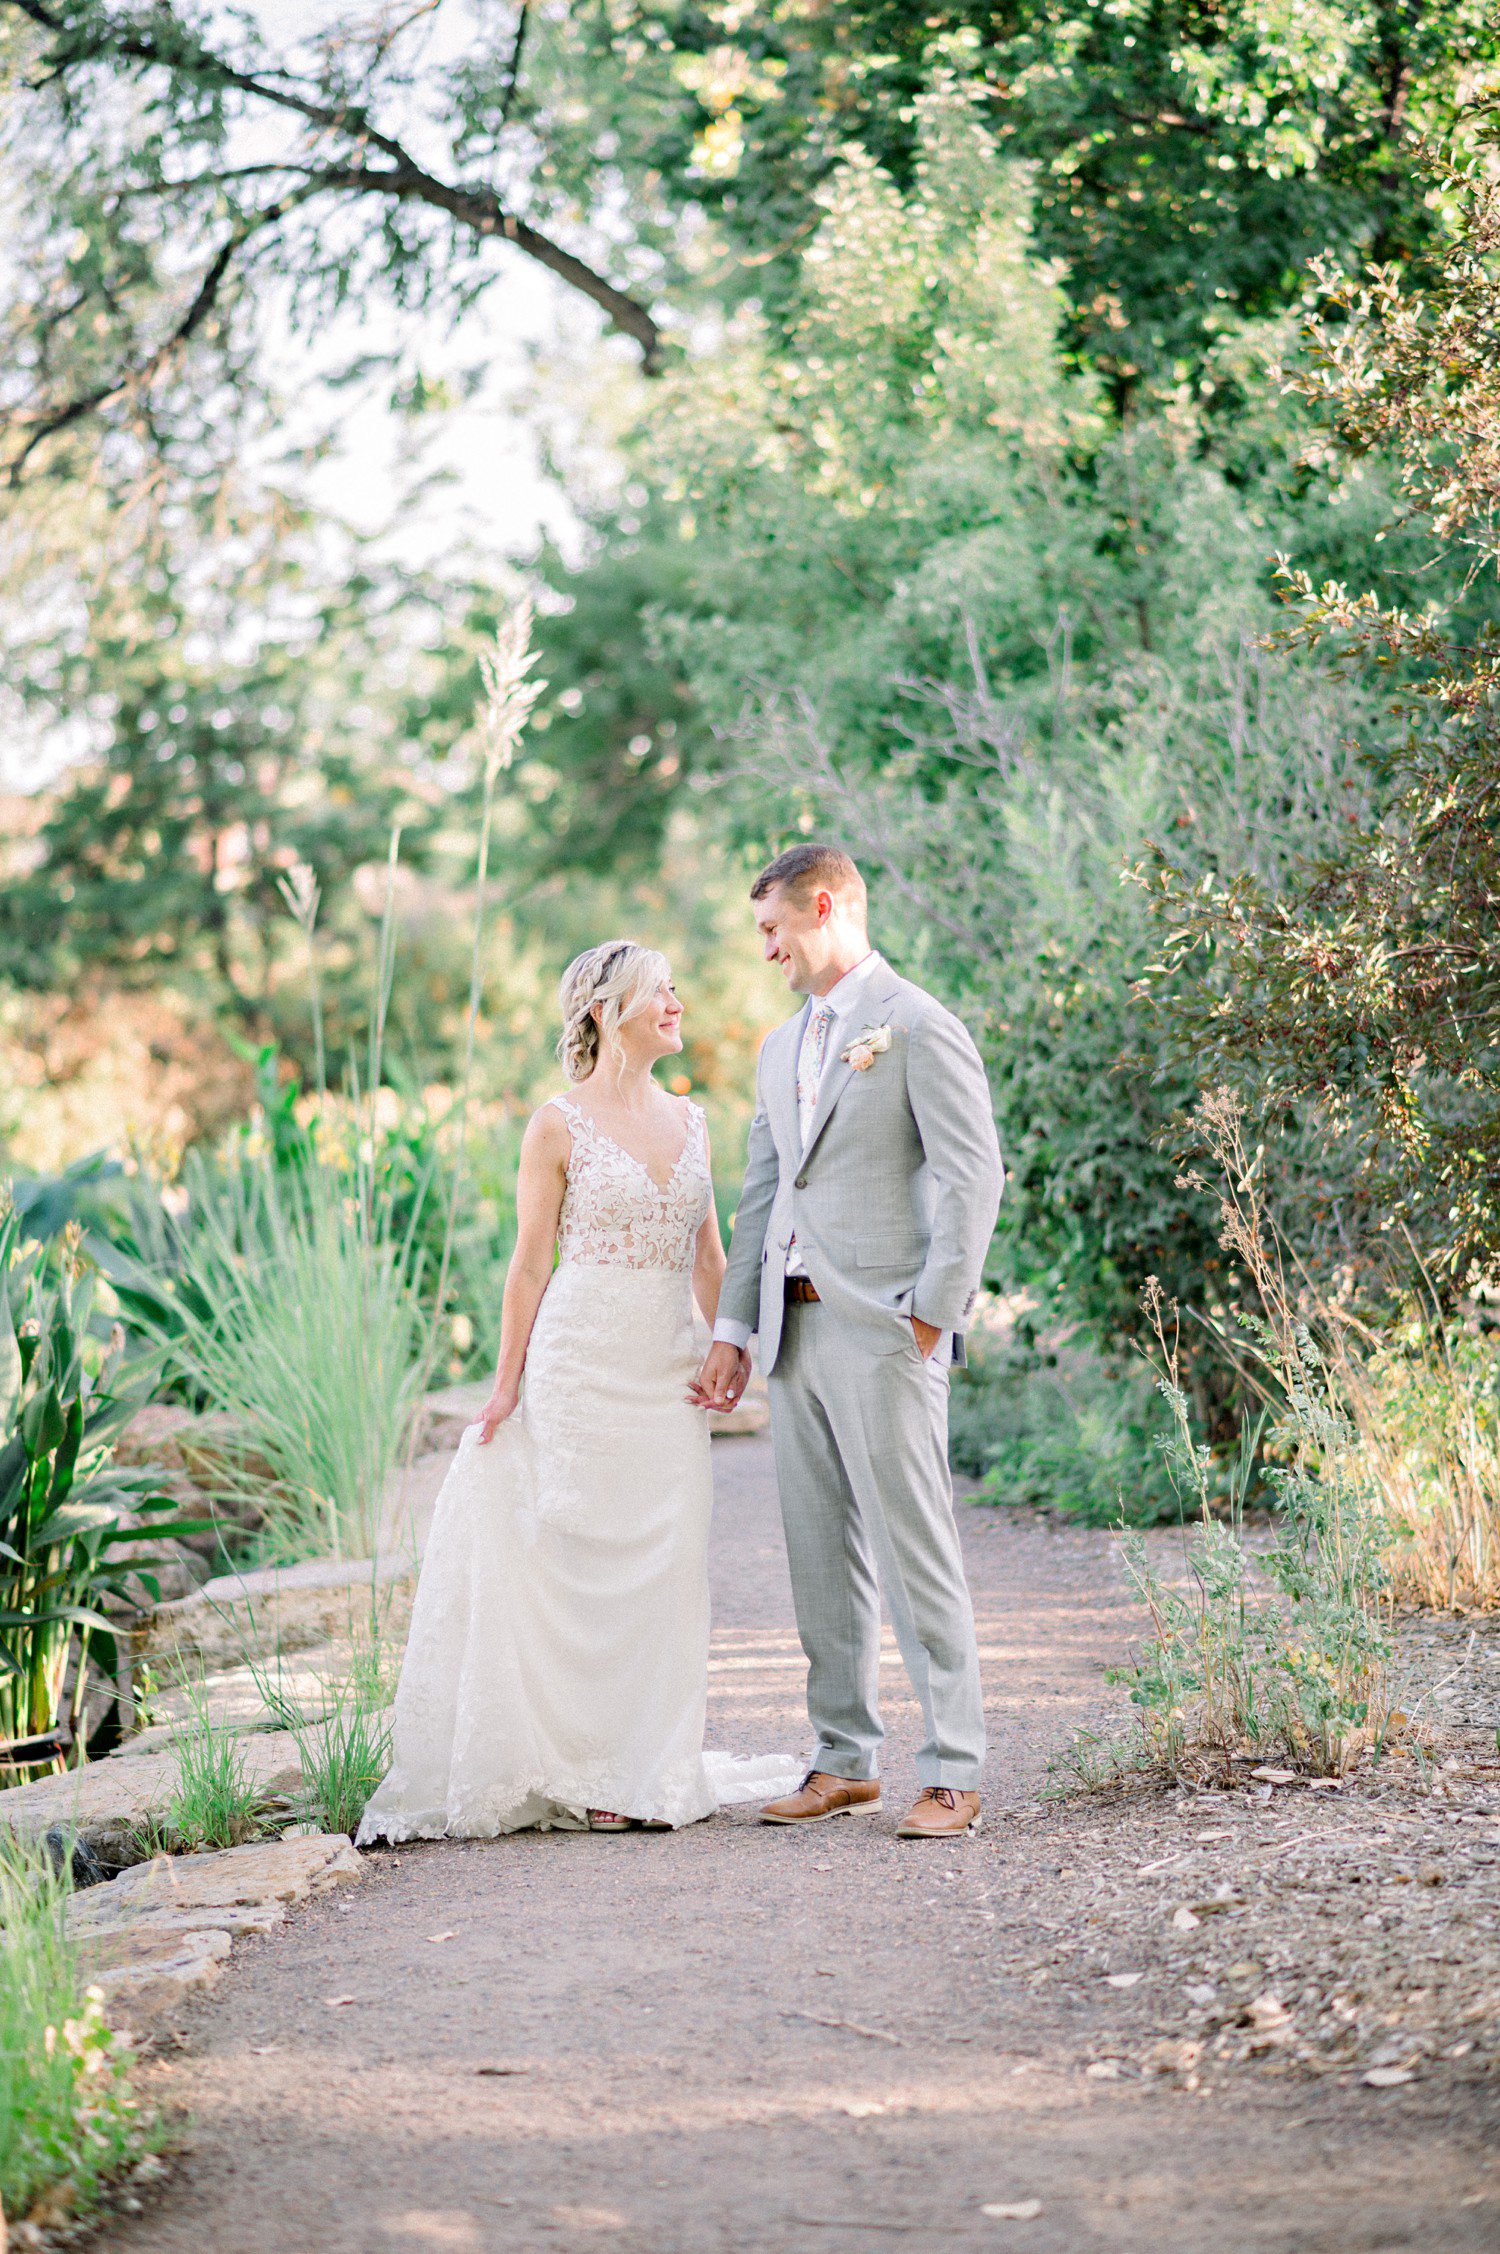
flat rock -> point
(266, 1871)
(167, 1438)
(185, 1454)
(92, 1916)
(145, 1980)
(139, 1948)
(154, 1435)
(161, 1930)
(286, 1608)
(235, 1700)
(108, 1803)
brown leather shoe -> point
(938, 1812)
(822, 1796)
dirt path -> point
(743, 2039)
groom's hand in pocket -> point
(928, 1335)
(722, 1379)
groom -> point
(870, 1197)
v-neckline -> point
(604, 1136)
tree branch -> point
(513, 67)
(133, 378)
(481, 209)
(478, 207)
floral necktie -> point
(810, 1061)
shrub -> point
(1362, 985)
(1425, 1405)
(1050, 1423)
(1279, 1651)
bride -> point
(556, 1673)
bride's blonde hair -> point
(619, 980)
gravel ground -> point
(1142, 2022)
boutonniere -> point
(866, 1047)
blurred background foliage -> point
(981, 401)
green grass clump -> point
(215, 1803)
(344, 1757)
(346, 1751)
(1281, 1651)
(69, 2120)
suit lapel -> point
(838, 1075)
(782, 1080)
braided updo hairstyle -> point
(619, 980)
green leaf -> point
(42, 1422)
(13, 1466)
(11, 1372)
(67, 1451)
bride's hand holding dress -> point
(502, 1403)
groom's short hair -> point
(813, 868)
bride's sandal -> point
(605, 1819)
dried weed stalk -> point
(1278, 1652)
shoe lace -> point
(941, 1793)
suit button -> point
(800, 1183)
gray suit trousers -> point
(861, 1444)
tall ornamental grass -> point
(69, 2121)
(299, 1320)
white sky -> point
(490, 489)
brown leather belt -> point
(800, 1289)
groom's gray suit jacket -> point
(894, 1196)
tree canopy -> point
(189, 182)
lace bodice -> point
(615, 1214)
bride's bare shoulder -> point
(547, 1134)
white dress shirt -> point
(844, 1001)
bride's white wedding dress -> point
(558, 1655)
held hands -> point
(721, 1382)
(500, 1405)
(723, 1378)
